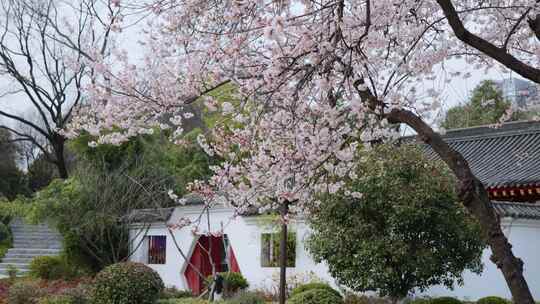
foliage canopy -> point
(407, 231)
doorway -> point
(209, 250)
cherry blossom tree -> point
(315, 81)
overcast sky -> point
(455, 92)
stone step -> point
(31, 242)
(35, 233)
(36, 242)
(20, 272)
(33, 251)
(19, 266)
(27, 238)
(38, 246)
(23, 257)
(18, 260)
(32, 231)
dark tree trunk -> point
(59, 154)
(475, 198)
(283, 256)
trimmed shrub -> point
(363, 299)
(174, 293)
(232, 283)
(183, 301)
(56, 300)
(420, 301)
(24, 293)
(445, 300)
(247, 298)
(48, 268)
(80, 294)
(316, 296)
(492, 300)
(315, 285)
(127, 283)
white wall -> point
(524, 235)
(244, 235)
(245, 238)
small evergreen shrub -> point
(492, 300)
(314, 285)
(127, 283)
(247, 298)
(80, 294)
(12, 272)
(49, 268)
(174, 293)
(363, 299)
(232, 283)
(445, 300)
(5, 233)
(56, 300)
(184, 301)
(24, 293)
(5, 239)
(316, 296)
(420, 301)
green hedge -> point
(183, 301)
(127, 283)
(445, 300)
(316, 296)
(492, 300)
(232, 283)
(314, 285)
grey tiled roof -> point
(149, 215)
(499, 157)
(517, 210)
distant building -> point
(522, 94)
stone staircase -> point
(29, 241)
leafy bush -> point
(183, 301)
(247, 298)
(492, 300)
(316, 296)
(408, 209)
(24, 293)
(174, 293)
(445, 300)
(49, 268)
(5, 233)
(420, 301)
(127, 283)
(232, 283)
(61, 299)
(363, 299)
(315, 285)
(80, 294)
(5, 239)
(12, 272)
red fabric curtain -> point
(199, 259)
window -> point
(157, 247)
(270, 249)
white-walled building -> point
(247, 252)
(506, 160)
(249, 246)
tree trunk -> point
(475, 198)
(60, 159)
(283, 256)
